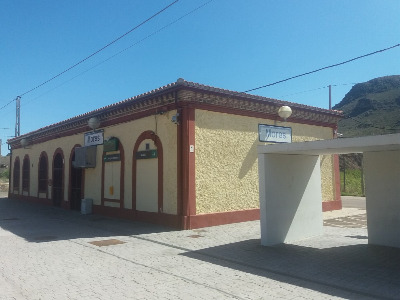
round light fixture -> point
(24, 142)
(94, 123)
(285, 112)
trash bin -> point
(86, 206)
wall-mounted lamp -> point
(94, 123)
(175, 119)
(285, 112)
(24, 142)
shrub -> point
(354, 186)
(5, 174)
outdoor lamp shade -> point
(24, 142)
(285, 112)
(94, 123)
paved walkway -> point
(50, 253)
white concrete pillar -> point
(382, 189)
(290, 197)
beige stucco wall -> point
(226, 160)
(127, 133)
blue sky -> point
(231, 44)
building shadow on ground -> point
(361, 271)
(41, 223)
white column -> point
(382, 189)
(290, 197)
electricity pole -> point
(330, 97)
(18, 117)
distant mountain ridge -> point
(371, 108)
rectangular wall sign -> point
(146, 154)
(94, 138)
(111, 145)
(274, 134)
(112, 157)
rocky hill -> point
(371, 108)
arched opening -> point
(16, 175)
(43, 177)
(25, 174)
(113, 174)
(76, 184)
(147, 173)
(58, 178)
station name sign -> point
(274, 134)
(94, 138)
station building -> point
(183, 155)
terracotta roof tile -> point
(179, 83)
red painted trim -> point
(191, 161)
(112, 120)
(158, 218)
(67, 128)
(149, 135)
(163, 219)
(149, 217)
(336, 171)
(44, 155)
(255, 114)
(215, 219)
(121, 176)
(188, 165)
(331, 205)
(179, 168)
(259, 99)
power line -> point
(324, 68)
(123, 50)
(4, 106)
(306, 91)
(101, 49)
(316, 89)
(347, 116)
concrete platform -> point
(51, 253)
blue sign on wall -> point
(274, 134)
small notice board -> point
(94, 138)
(147, 154)
(274, 134)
